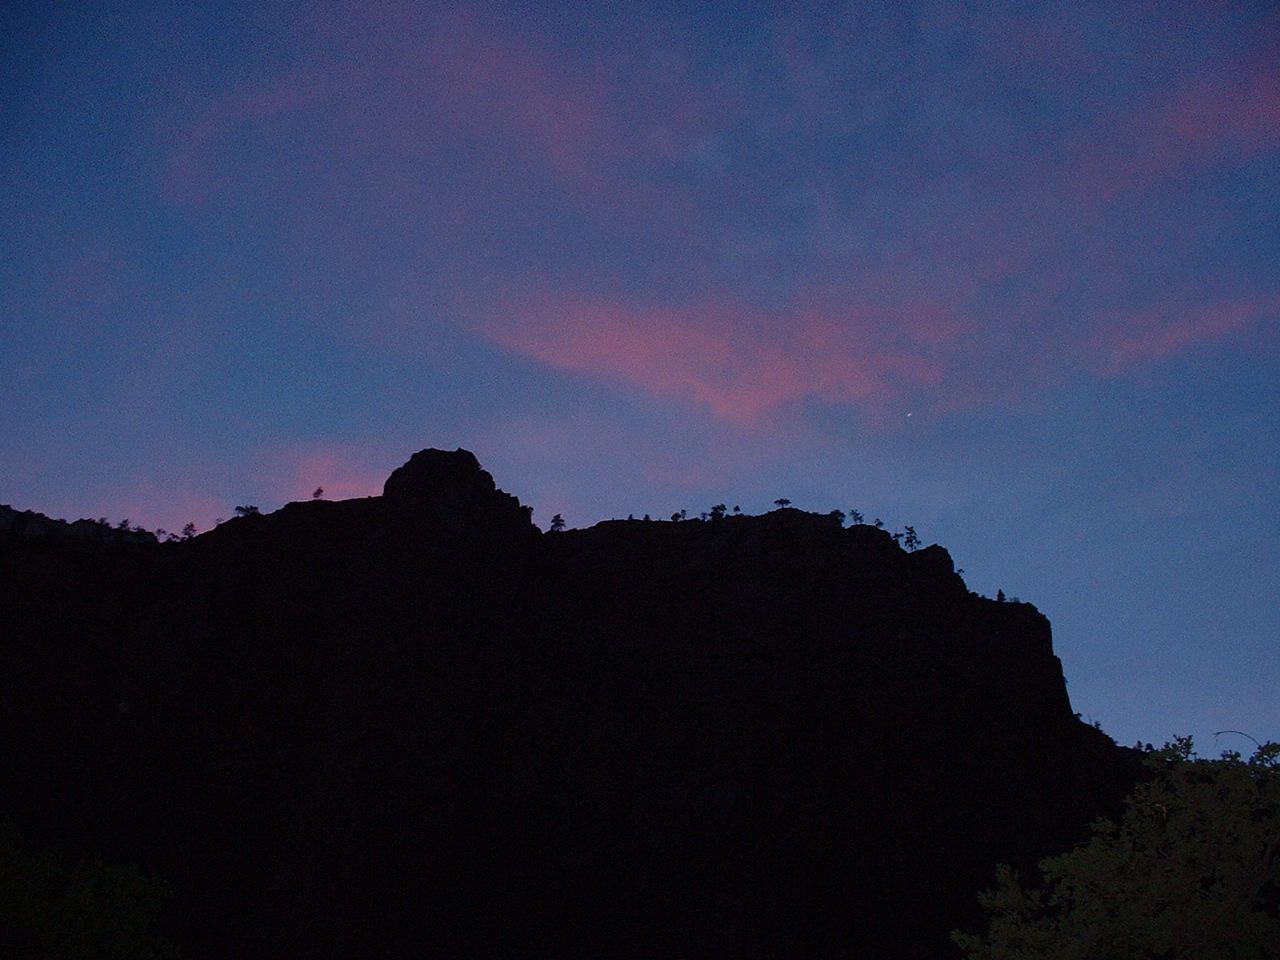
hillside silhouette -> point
(414, 725)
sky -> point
(1008, 273)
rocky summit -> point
(415, 726)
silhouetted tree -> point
(317, 493)
(96, 910)
(123, 524)
(188, 531)
(1191, 870)
(718, 511)
(911, 541)
(782, 502)
(736, 509)
(646, 518)
(557, 523)
(897, 536)
(247, 510)
(878, 523)
(999, 596)
(838, 515)
(855, 517)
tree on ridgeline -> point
(782, 502)
(557, 523)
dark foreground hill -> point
(412, 725)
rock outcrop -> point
(412, 725)
(455, 492)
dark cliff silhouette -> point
(413, 725)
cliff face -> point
(414, 725)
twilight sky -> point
(1008, 273)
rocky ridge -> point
(415, 724)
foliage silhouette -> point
(1192, 870)
(92, 911)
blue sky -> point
(1007, 273)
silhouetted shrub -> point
(92, 910)
(1191, 870)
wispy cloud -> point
(924, 259)
(1172, 328)
(738, 362)
(1227, 115)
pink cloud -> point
(1174, 328)
(745, 366)
(1229, 115)
(192, 162)
(401, 90)
(445, 80)
(493, 84)
(739, 363)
